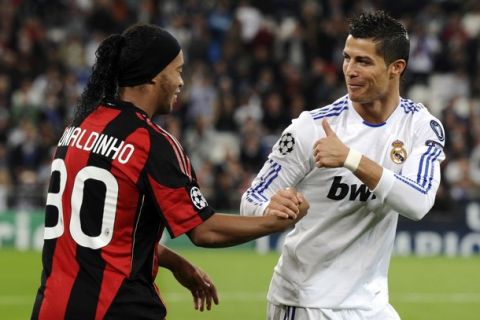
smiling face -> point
(368, 78)
(168, 84)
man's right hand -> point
(286, 207)
(287, 203)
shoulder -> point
(332, 110)
(410, 107)
(304, 129)
(164, 139)
(418, 111)
(308, 122)
(423, 122)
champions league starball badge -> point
(398, 153)
(197, 198)
(286, 143)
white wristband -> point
(353, 160)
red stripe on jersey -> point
(118, 253)
(108, 291)
(189, 167)
(177, 208)
(140, 115)
(182, 159)
(64, 265)
(185, 160)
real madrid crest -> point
(398, 153)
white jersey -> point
(338, 255)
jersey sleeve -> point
(171, 182)
(289, 161)
(412, 192)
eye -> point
(365, 62)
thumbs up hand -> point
(328, 130)
(330, 151)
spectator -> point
(239, 53)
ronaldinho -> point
(95, 142)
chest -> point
(388, 145)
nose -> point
(349, 69)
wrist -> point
(352, 162)
(277, 224)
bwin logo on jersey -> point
(197, 198)
(339, 191)
(286, 143)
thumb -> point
(326, 127)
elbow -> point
(196, 240)
(199, 240)
(413, 207)
(203, 239)
(415, 216)
(415, 213)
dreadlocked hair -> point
(102, 83)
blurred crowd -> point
(251, 66)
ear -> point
(397, 67)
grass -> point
(420, 288)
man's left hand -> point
(330, 151)
(198, 282)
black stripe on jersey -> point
(149, 202)
(136, 302)
(83, 300)
(86, 288)
(51, 216)
(39, 298)
(171, 173)
(147, 225)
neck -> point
(139, 97)
(379, 110)
(375, 112)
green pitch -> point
(420, 288)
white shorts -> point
(281, 312)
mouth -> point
(175, 96)
(354, 87)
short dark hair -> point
(390, 35)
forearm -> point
(369, 172)
(405, 196)
(410, 193)
(225, 230)
(168, 259)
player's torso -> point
(340, 204)
(103, 162)
(388, 144)
(95, 236)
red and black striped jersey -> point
(118, 180)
